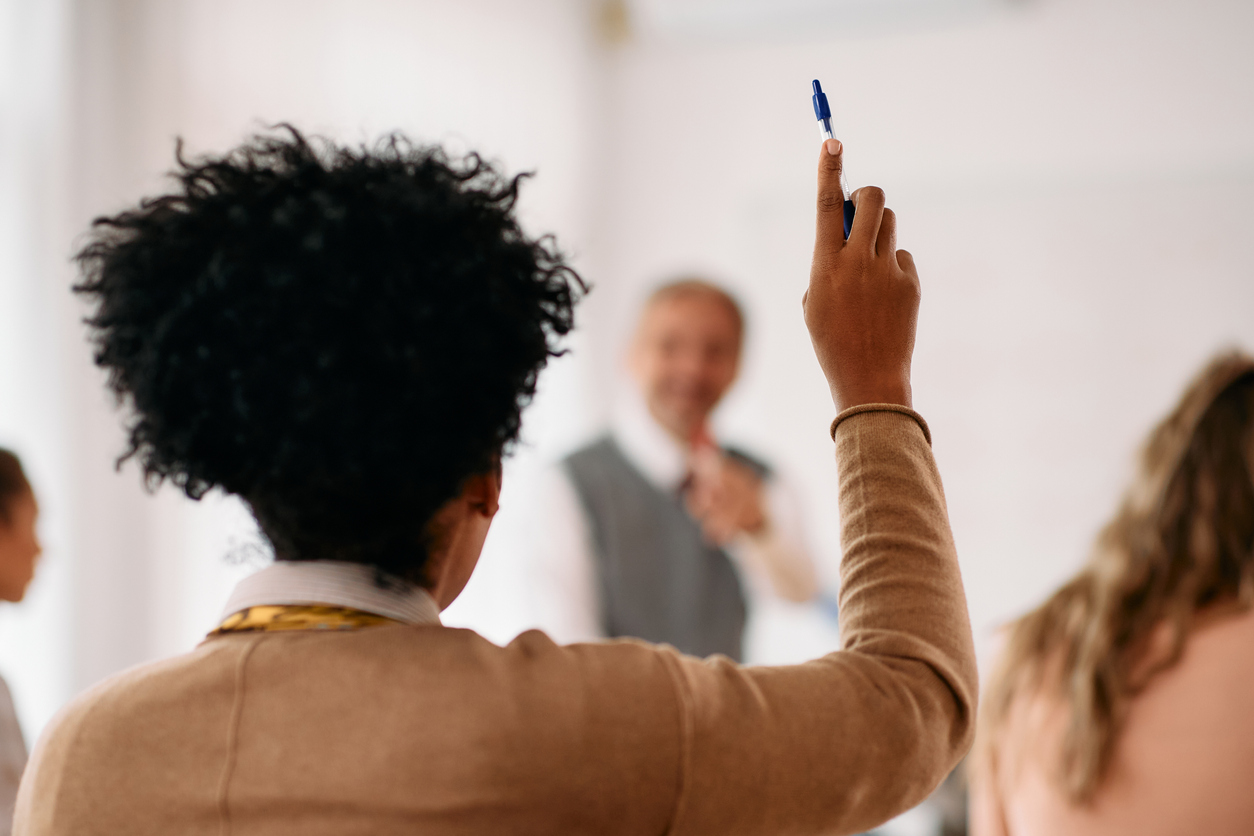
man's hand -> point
(724, 496)
(729, 501)
(863, 301)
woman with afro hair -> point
(345, 339)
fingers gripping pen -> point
(824, 114)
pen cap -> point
(821, 110)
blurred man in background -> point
(654, 530)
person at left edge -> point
(19, 553)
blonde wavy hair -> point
(1182, 541)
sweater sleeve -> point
(845, 742)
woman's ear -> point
(482, 492)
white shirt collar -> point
(332, 583)
(647, 445)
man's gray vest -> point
(659, 579)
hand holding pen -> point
(863, 300)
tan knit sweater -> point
(433, 730)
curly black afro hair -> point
(341, 336)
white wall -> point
(1074, 179)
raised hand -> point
(863, 301)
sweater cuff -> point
(883, 407)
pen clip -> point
(819, 100)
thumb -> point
(829, 234)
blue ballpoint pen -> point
(824, 114)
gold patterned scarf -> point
(275, 618)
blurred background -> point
(1074, 177)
